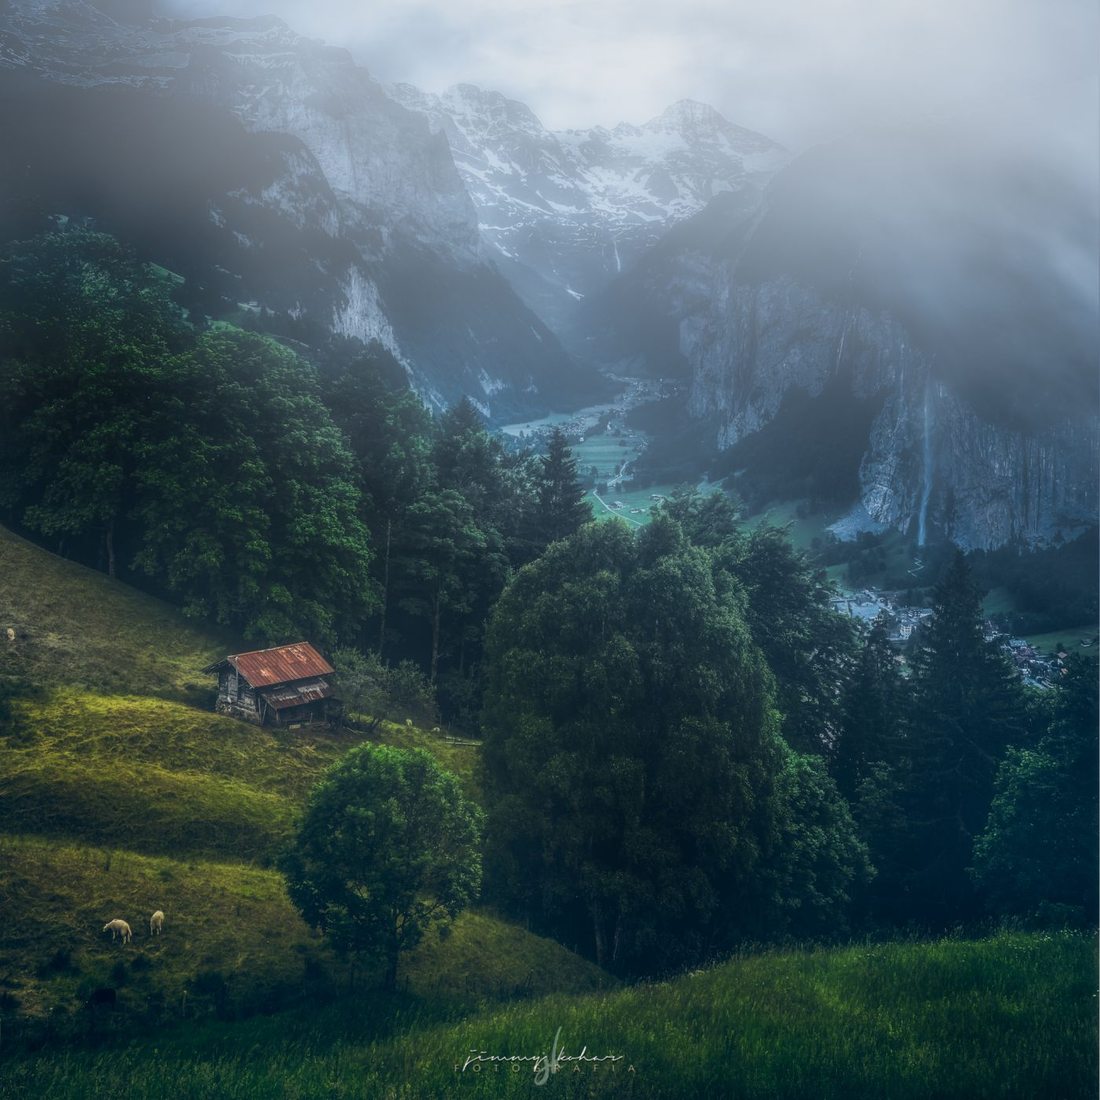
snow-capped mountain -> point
(564, 212)
(385, 237)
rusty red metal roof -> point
(264, 667)
(288, 695)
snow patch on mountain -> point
(563, 212)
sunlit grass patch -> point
(228, 919)
(74, 625)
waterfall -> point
(926, 487)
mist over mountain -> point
(926, 292)
(951, 291)
(326, 206)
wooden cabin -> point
(286, 686)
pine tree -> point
(1037, 856)
(870, 765)
(968, 707)
(561, 504)
(873, 708)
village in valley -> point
(1037, 668)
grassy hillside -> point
(154, 775)
(232, 941)
(122, 792)
(76, 626)
(1012, 1016)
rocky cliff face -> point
(968, 357)
(361, 172)
(564, 212)
(933, 465)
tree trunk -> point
(597, 930)
(385, 587)
(616, 940)
(435, 636)
(390, 982)
(109, 538)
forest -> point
(684, 749)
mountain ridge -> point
(563, 212)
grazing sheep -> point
(156, 923)
(435, 729)
(409, 722)
(11, 634)
(118, 928)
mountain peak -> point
(694, 121)
(685, 114)
(469, 99)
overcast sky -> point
(801, 71)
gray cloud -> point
(801, 71)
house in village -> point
(289, 685)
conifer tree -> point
(561, 504)
(968, 707)
(1038, 853)
(873, 708)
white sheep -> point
(408, 722)
(11, 634)
(156, 923)
(435, 729)
(118, 928)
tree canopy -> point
(388, 847)
(203, 461)
(632, 758)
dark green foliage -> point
(633, 769)
(1053, 585)
(561, 507)
(874, 705)
(707, 520)
(83, 334)
(1039, 848)
(820, 863)
(207, 463)
(249, 506)
(967, 708)
(451, 569)
(809, 647)
(388, 430)
(388, 847)
(468, 460)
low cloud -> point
(802, 71)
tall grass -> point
(1012, 1016)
